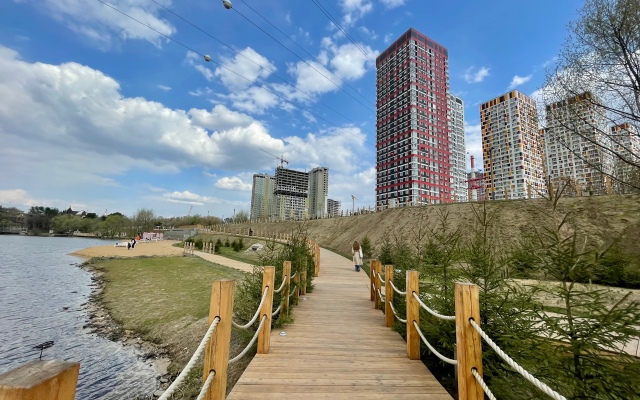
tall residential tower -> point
(262, 200)
(457, 148)
(512, 148)
(318, 190)
(412, 146)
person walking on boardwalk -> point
(356, 251)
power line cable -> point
(334, 21)
(306, 52)
(272, 71)
(301, 59)
(230, 70)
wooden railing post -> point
(40, 380)
(413, 314)
(317, 257)
(264, 337)
(296, 292)
(388, 295)
(216, 356)
(377, 283)
(468, 341)
(286, 274)
(372, 270)
(304, 281)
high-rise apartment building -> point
(575, 138)
(333, 208)
(291, 192)
(413, 153)
(626, 145)
(457, 148)
(262, 199)
(511, 147)
(318, 190)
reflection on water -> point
(41, 296)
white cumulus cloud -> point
(519, 80)
(472, 75)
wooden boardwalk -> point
(337, 348)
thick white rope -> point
(253, 340)
(294, 275)
(435, 314)
(293, 290)
(552, 393)
(207, 385)
(273, 314)
(396, 289)
(255, 316)
(380, 295)
(482, 384)
(395, 314)
(181, 377)
(284, 280)
(434, 351)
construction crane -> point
(189, 213)
(353, 203)
(105, 212)
(282, 160)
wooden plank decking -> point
(337, 348)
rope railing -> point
(253, 340)
(293, 290)
(284, 281)
(434, 351)
(483, 384)
(255, 316)
(192, 362)
(273, 314)
(469, 335)
(430, 311)
(207, 385)
(395, 289)
(535, 381)
(404, 321)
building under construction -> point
(291, 194)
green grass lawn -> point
(249, 257)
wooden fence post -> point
(468, 341)
(377, 283)
(413, 314)
(296, 292)
(286, 274)
(40, 380)
(304, 281)
(216, 356)
(264, 337)
(317, 258)
(372, 270)
(388, 296)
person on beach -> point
(133, 243)
(129, 245)
(356, 251)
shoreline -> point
(100, 322)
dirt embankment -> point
(603, 218)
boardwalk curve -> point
(337, 348)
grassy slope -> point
(604, 218)
(166, 300)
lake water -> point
(37, 279)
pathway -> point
(337, 348)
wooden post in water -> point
(413, 314)
(388, 296)
(468, 341)
(286, 275)
(264, 336)
(377, 282)
(40, 380)
(216, 355)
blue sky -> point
(99, 112)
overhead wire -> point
(337, 24)
(270, 70)
(303, 49)
(302, 59)
(230, 70)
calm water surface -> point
(37, 279)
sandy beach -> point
(161, 248)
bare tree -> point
(595, 86)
